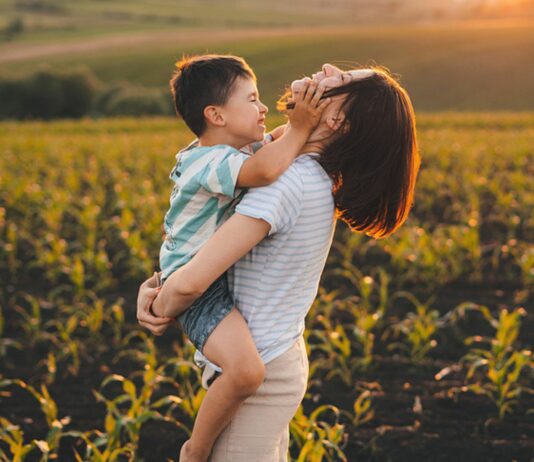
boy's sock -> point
(209, 374)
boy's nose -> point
(264, 108)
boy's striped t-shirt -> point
(274, 285)
(203, 197)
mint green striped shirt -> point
(204, 196)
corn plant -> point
(524, 256)
(335, 340)
(8, 249)
(418, 328)
(49, 447)
(435, 258)
(368, 318)
(13, 437)
(366, 285)
(127, 412)
(96, 317)
(324, 305)
(66, 346)
(181, 374)
(5, 342)
(363, 411)
(316, 439)
(499, 364)
(31, 322)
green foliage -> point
(47, 95)
(14, 437)
(13, 28)
(500, 364)
(81, 207)
(128, 100)
(318, 439)
(419, 328)
(363, 411)
(126, 412)
(467, 69)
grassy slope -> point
(445, 66)
(476, 68)
(63, 19)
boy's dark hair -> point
(204, 80)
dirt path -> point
(23, 52)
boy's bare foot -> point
(187, 455)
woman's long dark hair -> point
(373, 159)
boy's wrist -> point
(301, 132)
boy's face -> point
(244, 113)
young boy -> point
(218, 99)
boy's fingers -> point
(325, 102)
(317, 96)
(290, 105)
(310, 91)
(302, 94)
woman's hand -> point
(148, 291)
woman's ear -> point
(337, 122)
(214, 116)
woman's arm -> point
(234, 239)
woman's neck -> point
(312, 146)
(317, 142)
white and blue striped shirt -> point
(274, 285)
(202, 199)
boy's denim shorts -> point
(205, 314)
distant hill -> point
(43, 20)
(454, 55)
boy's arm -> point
(278, 131)
(269, 138)
(219, 253)
(271, 160)
(274, 158)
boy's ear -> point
(214, 116)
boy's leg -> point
(232, 348)
(259, 428)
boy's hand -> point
(278, 131)
(308, 107)
(148, 291)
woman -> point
(360, 165)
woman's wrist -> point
(156, 308)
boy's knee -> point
(247, 378)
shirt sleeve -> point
(219, 174)
(253, 147)
(278, 204)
